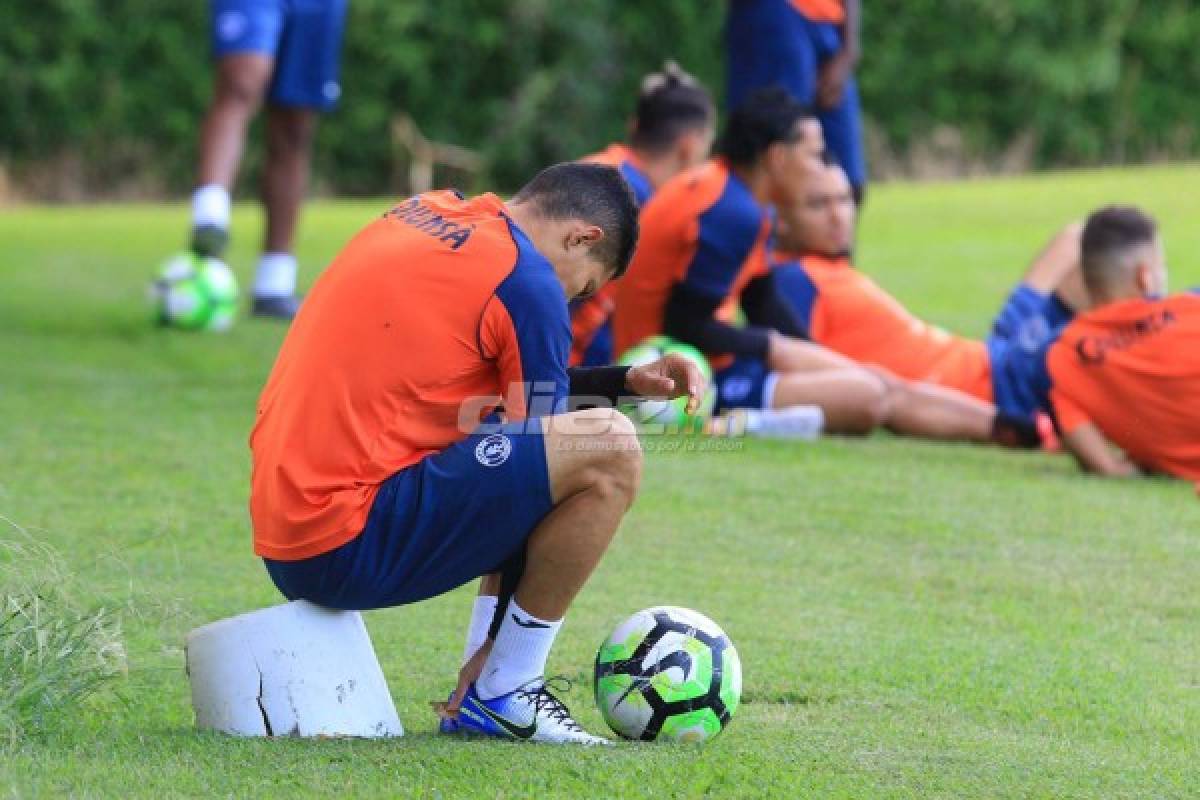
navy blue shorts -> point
(769, 42)
(746, 383)
(450, 518)
(1028, 319)
(304, 37)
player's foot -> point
(278, 307)
(531, 713)
(209, 240)
(446, 723)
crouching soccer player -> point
(374, 483)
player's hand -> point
(673, 375)
(831, 80)
(468, 675)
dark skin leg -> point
(240, 84)
(285, 176)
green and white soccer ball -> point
(670, 413)
(668, 674)
(196, 293)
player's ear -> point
(584, 235)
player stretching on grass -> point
(844, 310)
(1127, 371)
(703, 253)
(284, 51)
(373, 484)
(672, 130)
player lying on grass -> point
(1126, 372)
(846, 311)
(672, 130)
(374, 483)
(703, 253)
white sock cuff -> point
(482, 613)
(519, 653)
(211, 206)
(276, 275)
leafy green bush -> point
(119, 86)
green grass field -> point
(914, 619)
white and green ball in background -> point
(670, 413)
(196, 293)
(668, 674)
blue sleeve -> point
(537, 306)
(638, 182)
(797, 289)
(728, 231)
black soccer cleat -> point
(209, 241)
(276, 306)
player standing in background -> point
(286, 52)
(672, 129)
(381, 481)
(702, 255)
(810, 48)
(1127, 371)
(846, 311)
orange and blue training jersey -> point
(629, 165)
(1132, 369)
(441, 305)
(846, 311)
(702, 230)
(591, 338)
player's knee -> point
(242, 88)
(614, 465)
(873, 406)
(291, 130)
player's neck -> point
(1103, 296)
(658, 170)
(755, 179)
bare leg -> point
(285, 175)
(853, 400)
(241, 82)
(1057, 269)
(935, 412)
(595, 464)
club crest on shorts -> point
(493, 450)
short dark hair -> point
(767, 116)
(594, 193)
(1109, 235)
(670, 104)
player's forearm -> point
(1094, 454)
(598, 383)
(689, 318)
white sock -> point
(210, 206)
(481, 621)
(791, 422)
(276, 276)
(519, 654)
